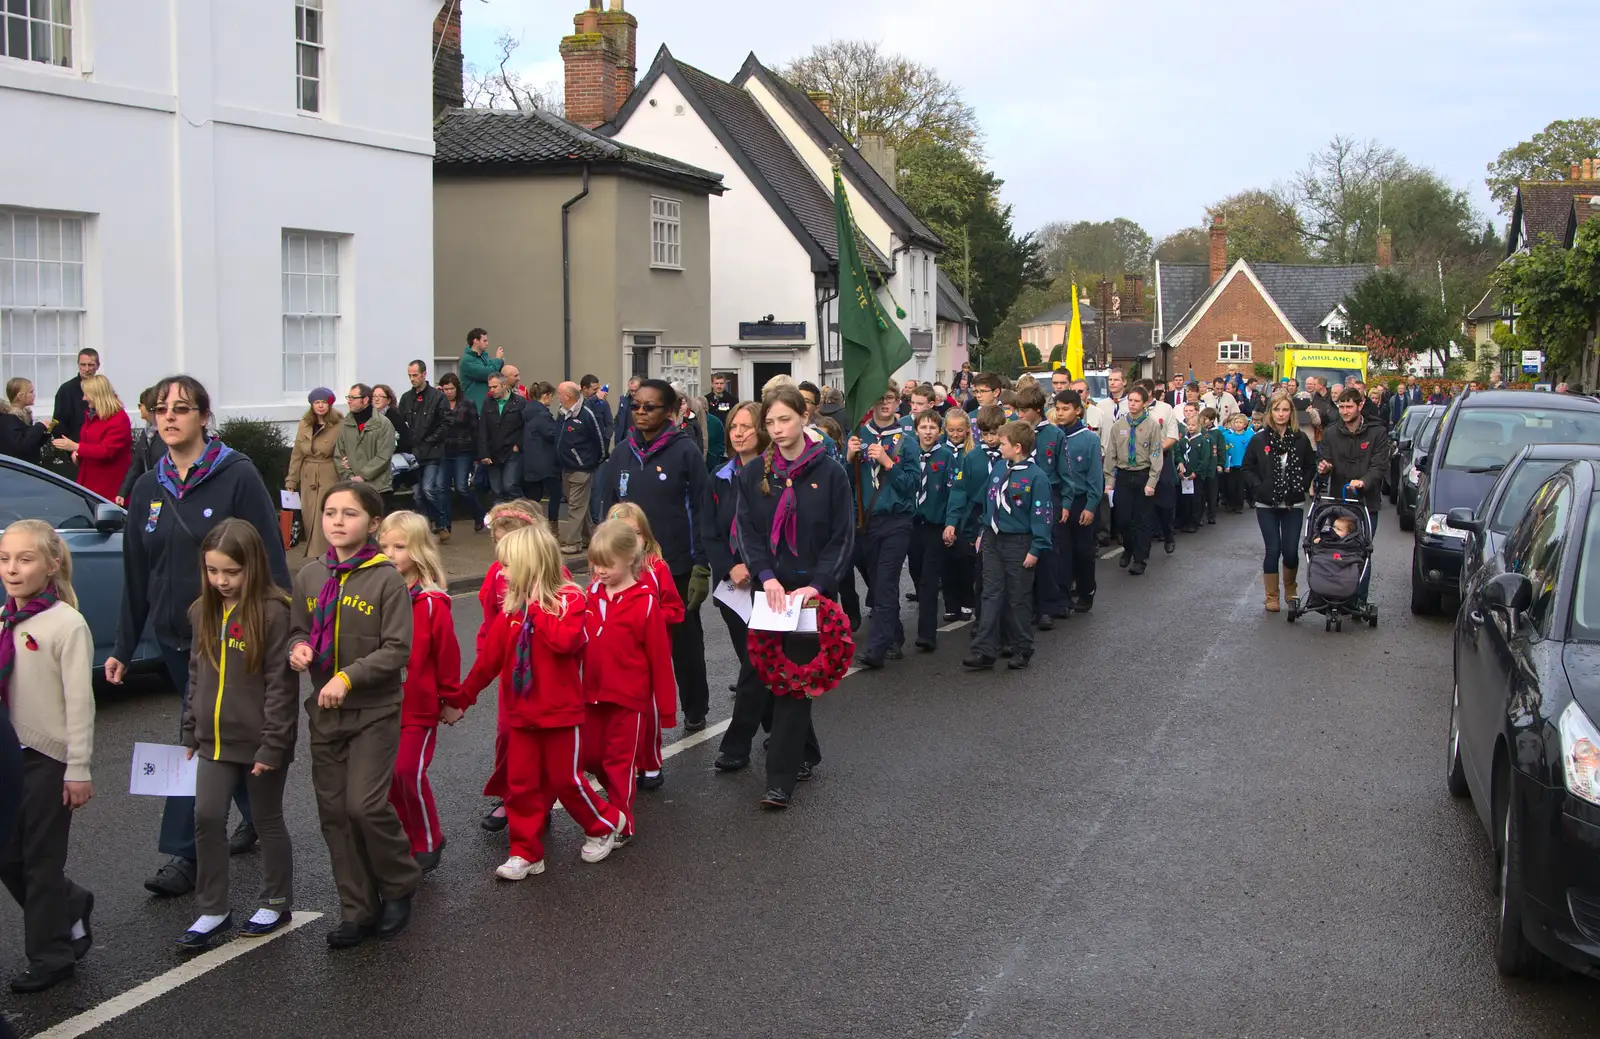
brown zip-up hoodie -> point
(372, 636)
(237, 716)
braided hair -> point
(790, 397)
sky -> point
(1153, 111)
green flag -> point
(873, 345)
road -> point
(1189, 819)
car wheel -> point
(1405, 517)
(1455, 778)
(1514, 956)
(1424, 601)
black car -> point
(1523, 741)
(1477, 437)
(1403, 435)
(1507, 502)
(1405, 457)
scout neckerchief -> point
(786, 517)
(998, 495)
(896, 431)
(10, 617)
(645, 451)
(522, 669)
(204, 466)
(1133, 440)
(324, 615)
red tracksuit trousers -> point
(610, 738)
(647, 758)
(409, 791)
(541, 769)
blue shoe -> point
(191, 942)
(251, 929)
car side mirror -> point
(1421, 461)
(1510, 592)
(109, 518)
(1463, 519)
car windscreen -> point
(1586, 600)
(1333, 378)
(1412, 422)
(1514, 502)
(1484, 439)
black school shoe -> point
(775, 800)
(1019, 663)
(870, 662)
(897, 653)
(805, 773)
(1172, 546)
(648, 782)
(191, 942)
(396, 914)
(1082, 605)
(242, 839)
(349, 935)
(1044, 623)
(926, 645)
(30, 980)
(428, 861)
(174, 878)
(1125, 559)
(1136, 569)
(494, 823)
(730, 763)
(978, 662)
(81, 946)
(694, 724)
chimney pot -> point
(1219, 248)
(1385, 249)
(1576, 171)
(823, 100)
(1588, 169)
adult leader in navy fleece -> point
(660, 469)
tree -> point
(1190, 245)
(1089, 250)
(908, 102)
(1263, 226)
(1550, 155)
(1337, 197)
(1394, 320)
(498, 85)
(1555, 294)
(1000, 355)
(983, 254)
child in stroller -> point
(1338, 550)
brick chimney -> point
(879, 156)
(1219, 248)
(1385, 249)
(823, 100)
(447, 66)
(591, 70)
(1134, 296)
(621, 30)
(1576, 172)
(1588, 169)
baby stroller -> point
(1338, 551)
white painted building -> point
(241, 191)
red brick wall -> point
(447, 69)
(1239, 313)
(591, 79)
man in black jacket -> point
(580, 444)
(500, 438)
(71, 409)
(1354, 452)
(426, 413)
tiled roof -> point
(1307, 293)
(1489, 306)
(828, 136)
(1129, 339)
(1584, 209)
(475, 137)
(951, 305)
(1087, 314)
(1180, 286)
(1543, 211)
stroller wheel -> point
(1327, 625)
(1372, 621)
(1291, 615)
(1338, 625)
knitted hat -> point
(320, 393)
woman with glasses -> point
(196, 485)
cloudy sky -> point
(1093, 110)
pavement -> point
(466, 557)
(1188, 819)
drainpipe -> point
(566, 278)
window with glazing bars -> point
(37, 30)
(309, 43)
(41, 297)
(310, 311)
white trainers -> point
(518, 868)
(597, 848)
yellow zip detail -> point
(222, 682)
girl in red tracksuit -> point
(534, 648)
(501, 520)
(433, 676)
(627, 665)
(653, 574)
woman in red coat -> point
(105, 448)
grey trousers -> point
(33, 866)
(1007, 596)
(576, 487)
(213, 789)
(352, 765)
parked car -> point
(1419, 443)
(1403, 436)
(1507, 501)
(1477, 436)
(1523, 742)
(92, 527)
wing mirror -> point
(1463, 519)
(1510, 592)
(1421, 460)
(109, 518)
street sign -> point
(1532, 361)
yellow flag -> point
(1073, 358)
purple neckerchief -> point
(204, 466)
(325, 613)
(644, 452)
(10, 617)
(786, 517)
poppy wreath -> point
(819, 674)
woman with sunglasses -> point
(198, 483)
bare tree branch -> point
(502, 86)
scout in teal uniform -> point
(1074, 534)
(886, 474)
(1015, 534)
(937, 466)
(1194, 458)
(976, 472)
(1219, 458)
(1049, 601)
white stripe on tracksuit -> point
(582, 784)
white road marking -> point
(679, 746)
(162, 984)
(1111, 552)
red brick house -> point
(1211, 316)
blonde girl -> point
(502, 519)
(104, 448)
(534, 648)
(20, 436)
(241, 721)
(433, 676)
(958, 431)
(653, 573)
(46, 653)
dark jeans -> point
(1280, 532)
(689, 657)
(1207, 493)
(456, 475)
(1007, 596)
(1075, 554)
(754, 707)
(1134, 512)
(1048, 595)
(505, 479)
(927, 548)
(177, 815)
(960, 576)
(883, 547)
(432, 498)
(1232, 489)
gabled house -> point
(578, 254)
(1127, 335)
(1213, 316)
(958, 330)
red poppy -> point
(235, 631)
(29, 641)
(818, 675)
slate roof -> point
(1490, 306)
(1087, 314)
(828, 136)
(466, 138)
(950, 304)
(1543, 210)
(1306, 293)
(1584, 209)
(1179, 286)
(1129, 339)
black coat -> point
(825, 528)
(148, 447)
(461, 429)
(71, 409)
(427, 418)
(538, 443)
(671, 489)
(21, 440)
(1362, 455)
(500, 429)
(1257, 470)
(718, 519)
(402, 431)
